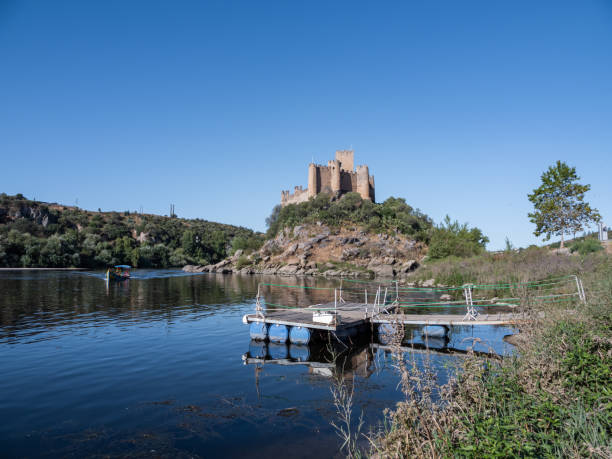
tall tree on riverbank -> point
(559, 203)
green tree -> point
(559, 203)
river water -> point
(159, 366)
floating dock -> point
(391, 308)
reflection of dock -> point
(285, 362)
(429, 350)
(320, 360)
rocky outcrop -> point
(37, 214)
(320, 250)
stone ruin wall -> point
(298, 195)
(338, 177)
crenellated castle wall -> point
(337, 178)
(298, 195)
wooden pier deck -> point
(448, 320)
(384, 313)
(349, 315)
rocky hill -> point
(318, 249)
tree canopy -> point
(559, 206)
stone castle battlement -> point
(337, 178)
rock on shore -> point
(320, 250)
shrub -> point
(454, 239)
(242, 262)
(586, 246)
(247, 244)
(393, 215)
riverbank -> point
(552, 399)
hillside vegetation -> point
(393, 217)
(37, 234)
(349, 237)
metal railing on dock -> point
(353, 305)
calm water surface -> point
(155, 366)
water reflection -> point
(322, 359)
(155, 364)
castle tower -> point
(334, 168)
(338, 177)
(363, 182)
(347, 159)
(313, 186)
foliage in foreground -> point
(36, 234)
(552, 400)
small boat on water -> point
(118, 273)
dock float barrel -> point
(434, 331)
(278, 333)
(300, 335)
(278, 351)
(258, 349)
(299, 352)
(258, 330)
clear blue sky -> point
(217, 106)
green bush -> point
(454, 239)
(586, 246)
(247, 244)
(242, 262)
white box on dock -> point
(324, 317)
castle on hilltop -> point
(337, 178)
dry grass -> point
(554, 399)
(526, 265)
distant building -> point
(603, 232)
(337, 178)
